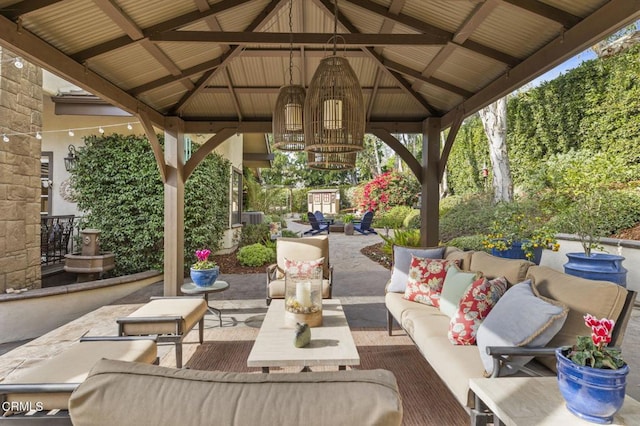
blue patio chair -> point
(316, 227)
(321, 219)
(364, 227)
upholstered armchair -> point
(298, 249)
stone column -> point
(20, 117)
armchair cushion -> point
(520, 318)
(402, 262)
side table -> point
(536, 401)
(190, 288)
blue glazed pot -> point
(593, 394)
(204, 277)
(516, 252)
(597, 266)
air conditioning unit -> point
(252, 218)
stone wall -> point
(20, 119)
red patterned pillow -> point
(426, 277)
(475, 304)
(302, 267)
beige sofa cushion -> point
(190, 309)
(307, 248)
(513, 270)
(582, 296)
(454, 253)
(117, 393)
(73, 364)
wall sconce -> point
(71, 158)
(46, 183)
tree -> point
(494, 121)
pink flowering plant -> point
(203, 260)
(592, 351)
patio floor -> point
(359, 284)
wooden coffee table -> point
(331, 344)
(536, 401)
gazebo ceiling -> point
(220, 63)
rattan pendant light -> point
(334, 117)
(331, 160)
(288, 130)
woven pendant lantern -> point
(331, 160)
(288, 131)
(334, 109)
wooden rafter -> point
(265, 125)
(213, 142)
(262, 17)
(155, 144)
(565, 19)
(25, 7)
(171, 24)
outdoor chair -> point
(316, 227)
(299, 249)
(321, 219)
(364, 227)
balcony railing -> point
(56, 240)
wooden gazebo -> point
(215, 67)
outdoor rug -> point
(425, 398)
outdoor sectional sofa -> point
(456, 364)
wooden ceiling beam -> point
(611, 17)
(426, 79)
(425, 28)
(566, 19)
(265, 125)
(25, 7)
(37, 51)
(169, 25)
(274, 90)
(234, 51)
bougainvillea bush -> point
(388, 190)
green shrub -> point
(394, 218)
(256, 255)
(471, 215)
(412, 220)
(401, 237)
(469, 242)
(254, 233)
(287, 233)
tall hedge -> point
(118, 188)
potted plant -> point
(204, 272)
(587, 219)
(518, 234)
(348, 219)
(592, 377)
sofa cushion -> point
(425, 322)
(582, 296)
(464, 257)
(455, 284)
(520, 318)
(402, 261)
(514, 270)
(117, 393)
(426, 278)
(475, 304)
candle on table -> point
(303, 293)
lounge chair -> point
(321, 219)
(364, 227)
(316, 227)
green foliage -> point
(469, 154)
(469, 242)
(465, 216)
(287, 233)
(256, 255)
(254, 233)
(586, 353)
(348, 218)
(412, 220)
(406, 237)
(118, 187)
(394, 217)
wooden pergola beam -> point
(413, 164)
(265, 125)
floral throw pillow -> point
(476, 303)
(426, 277)
(302, 267)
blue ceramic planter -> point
(204, 277)
(516, 252)
(598, 266)
(593, 394)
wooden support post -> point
(430, 206)
(174, 207)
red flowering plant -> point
(592, 351)
(203, 260)
(387, 190)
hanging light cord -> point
(290, 43)
(335, 26)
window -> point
(45, 183)
(236, 197)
